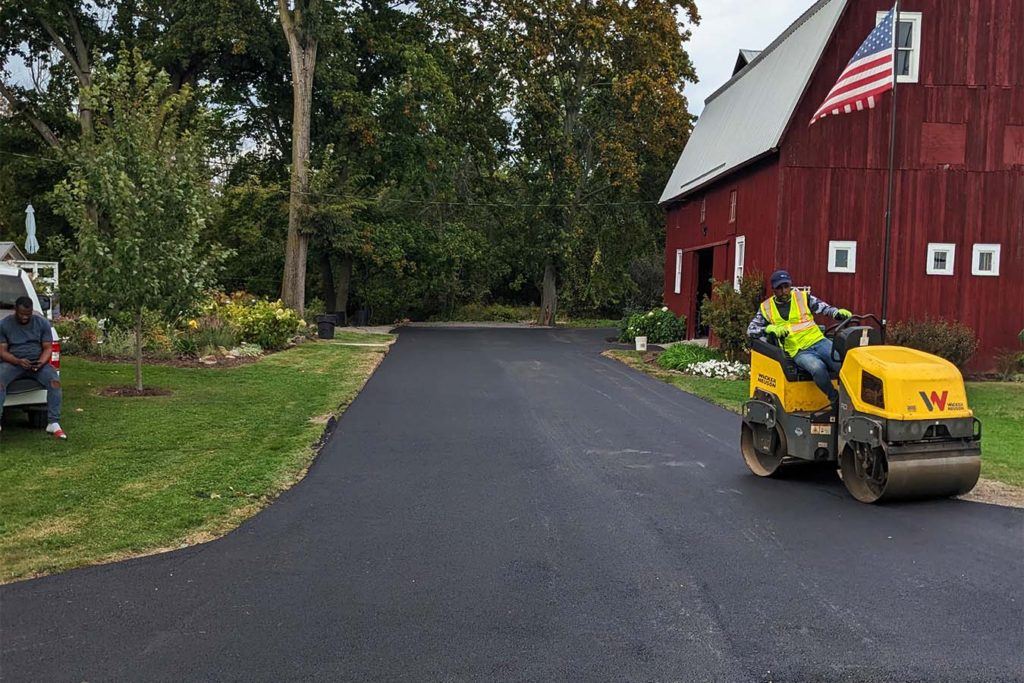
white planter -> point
(641, 343)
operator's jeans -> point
(46, 376)
(817, 360)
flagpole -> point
(892, 175)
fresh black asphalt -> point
(509, 505)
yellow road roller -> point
(902, 428)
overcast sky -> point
(725, 27)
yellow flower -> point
(193, 325)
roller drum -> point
(907, 475)
(763, 449)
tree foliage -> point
(458, 151)
(137, 194)
(596, 90)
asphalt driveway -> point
(508, 505)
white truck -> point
(24, 393)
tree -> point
(301, 31)
(594, 82)
(49, 50)
(68, 29)
(137, 196)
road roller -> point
(901, 429)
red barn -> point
(756, 188)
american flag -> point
(868, 74)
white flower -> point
(664, 308)
(719, 369)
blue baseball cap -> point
(780, 277)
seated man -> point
(794, 325)
(26, 341)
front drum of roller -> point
(872, 477)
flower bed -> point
(719, 369)
(659, 326)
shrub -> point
(728, 312)
(226, 321)
(247, 350)
(157, 340)
(1010, 365)
(659, 326)
(186, 346)
(118, 343)
(680, 356)
(266, 323)
(953, 341)
(314, 308)
(211, 330)
(78, 335)
(494, 313)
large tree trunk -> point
(549, 295)
(302, 51)
(138, 350)
(342, 278)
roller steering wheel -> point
(832, 330)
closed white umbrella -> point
(31, 243)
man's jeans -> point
(46, 376)
(817, 360)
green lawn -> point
(142, 474)
(999, 406)
(723, 392)
(587, 322)
(344, 336)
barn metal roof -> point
(743, 58)
(746, 117)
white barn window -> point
(908, 45)
(940, 258)
(842, 256)
(741, 255)
(679, 271)
(985, 259)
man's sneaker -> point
(54, 428)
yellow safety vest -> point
(803, 331)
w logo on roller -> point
(936, 401)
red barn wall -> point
(757, 198)
(960, 160)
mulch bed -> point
(222, 361)
(132, 392)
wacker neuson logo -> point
(936, 400)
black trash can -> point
(325, 326)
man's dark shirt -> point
(783, 307)
(25, 341)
